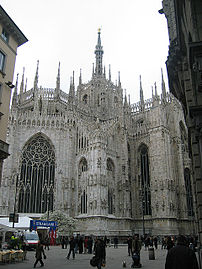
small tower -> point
(109, 72)
(71, 90)
(36, 76)
(119, 80)
(163, 87)
(21, 87)
(98, 56)
(58, 83)
(15, 94)
(155, 97)
(141, 96)
(80, 78)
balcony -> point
(3, 150)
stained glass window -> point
(36, 186)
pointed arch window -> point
(145, 180)
(37, 176)
(189, 195)
(85, 99)
(84, 203)
(110, 202)
(83, 165)
(111, 179)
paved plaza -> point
(56, 258)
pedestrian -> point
(169, 243)
(85, 244)
(155, 242)
(181, 256)
(76, 239)
(38, 255)
(90, 245)
(136, 247)
(80, 245)
(47, 242)
(100, 253)
(129, 242)
(116, 241)
(66, 241)
(105, 241)
(71, 248)
(63, 242)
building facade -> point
(184, 66)
(119, 168)
(10, 39)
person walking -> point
(156, 242)
(47, 242)
(71, 248)
(116, 241)
(129, 242)
(80, 245)
(136, 247)
(181, 256)
(100, 253)
(169, 243)
(38, 255)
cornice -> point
(12, 28)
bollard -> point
(151, 254)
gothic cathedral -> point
(118, 168)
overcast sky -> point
(134, 38)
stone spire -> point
(36, 76)
(155, 96)
(26, 85)
(163, 86)
(22, 82)
(80, 78)
(119, 80)
(71, 89)
(57, 90)
(93, 71)
(15, 94)
(155, 89)
(110, 72)
(58, 78)
(141, 92)
(129, 99)
(125, 98)
(98, 55)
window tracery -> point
(145, 180)
(37, 177)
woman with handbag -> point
(38, 255)
(100, 253)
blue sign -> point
(34, 224)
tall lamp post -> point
(48, 202)
(14, 209)
(143, 227)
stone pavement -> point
(56, 258)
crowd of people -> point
(180, 250)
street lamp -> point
(143, 227)
(48, 199)
(14, 209)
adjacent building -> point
(10, 39)
(184, 65)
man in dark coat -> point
(181, 256)
(39, 252)
(129, 242)
(71, 248)
(100, 252)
